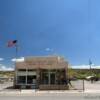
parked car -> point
(92, 78)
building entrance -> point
(48, 77)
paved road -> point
(53, 97)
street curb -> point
(40, 93)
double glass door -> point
(48, 77)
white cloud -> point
(21, 59)
(85, 66)
(48, 49)
(5, 68)
(1, 59)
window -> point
(31, 70)
(21, 69)
(21, 79)
(31, 79)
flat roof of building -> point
(43, 62)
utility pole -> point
(90, 64)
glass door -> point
(52, 78)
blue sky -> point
(70, 28)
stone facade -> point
(47, 72)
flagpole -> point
(16, 54)
(16, 47)
(12, 43)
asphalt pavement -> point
(73, 96)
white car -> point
(94, 78)
(89, 77)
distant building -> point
(47, 72)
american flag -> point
(11, 43)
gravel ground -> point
(76, 85)
(87, 85)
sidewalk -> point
(37, 92)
